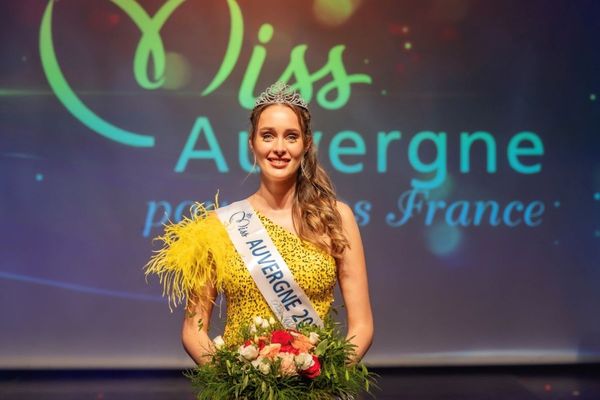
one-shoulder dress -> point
(197, 251)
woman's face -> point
(278, 143)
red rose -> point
(247, 343)
(288, 348)
(261, 344)
(314, 371)
(282, 337)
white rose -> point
(304, 361)
(271, 320)
(252, 329)
(265, 368)
(265, 324)
(313, 338)
(248, 352)
(262, 365)
(258, 321)
(219, 342)
(257, 362)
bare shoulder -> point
(344, 209)
(346, 213)
(352, 233)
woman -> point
(316, 235)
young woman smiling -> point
(315, 234)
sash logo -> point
(241, 220)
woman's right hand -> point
(194, 334)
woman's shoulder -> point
(345, 211)
(349, 223)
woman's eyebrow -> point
(268, 128)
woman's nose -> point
(279, 146)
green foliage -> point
(227, 377)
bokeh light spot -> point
(39, 177)
(177, 73)
(384, 92)
(443, 239)
(593, 96)
(597, 196)
(113, 19)
(557, 204)
(334, 12)
(407, 45)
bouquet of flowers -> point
(273, 363)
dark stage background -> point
(465, 135)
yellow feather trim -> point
(194, 254)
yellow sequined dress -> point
(198, 250)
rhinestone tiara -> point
(280, 93)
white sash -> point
(266, 266)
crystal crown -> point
(280, 93)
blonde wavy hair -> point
(314, 209)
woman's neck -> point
(276, 195)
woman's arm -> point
(196, 320)
(352, 277)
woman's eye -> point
(267, 136)
(292, 138)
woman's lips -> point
(278, 162)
